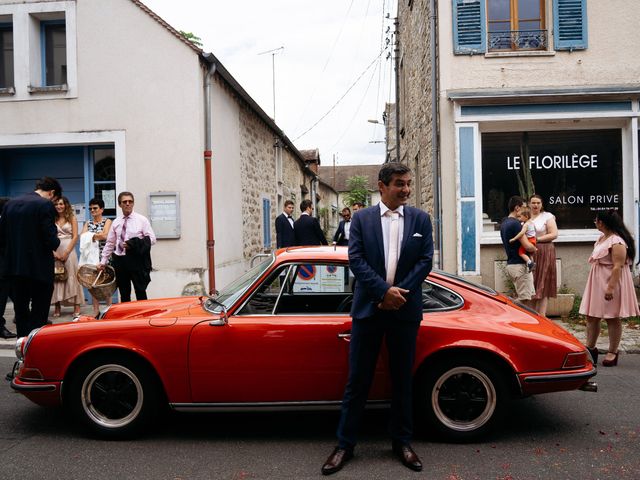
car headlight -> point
(22, 344)
(18, 348)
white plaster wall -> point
(613, 40)
(227, 194)
(135, 77)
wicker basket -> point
(101, 284)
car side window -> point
(319, 288)
(436, 298)
(263, 300)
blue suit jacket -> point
(366, 260)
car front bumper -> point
(42, 392)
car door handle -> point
(345, 335)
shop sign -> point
(576, 172)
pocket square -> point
(417, 235)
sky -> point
(332, 76)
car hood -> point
(157, 308)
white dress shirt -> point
(386, 222)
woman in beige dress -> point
(67, 292)
(544, 273)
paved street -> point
(574, 435)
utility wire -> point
(326, 63)
(341, 98)
(364, 96)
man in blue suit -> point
(390, 254)
(28, 238)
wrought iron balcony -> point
(518, 40)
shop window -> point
(54, 52)
(104, 178)
(6, 55)
(577, 173)
(516, 25)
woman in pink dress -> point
(609, 293)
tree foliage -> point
(192, 37)
(358, 190)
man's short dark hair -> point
(125, 194)
(97, 201)
(392, 168)
(515, 201)
(359, 204)
(46, 184)
(304, 204)
(346, 209)
(288, 202)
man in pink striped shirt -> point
(129, 246)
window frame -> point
(514, 22)
(10, 85)
(44, 26)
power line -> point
(341, 98)
(326, 63)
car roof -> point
(312, 253)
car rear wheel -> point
(461, 399)
(114, 397)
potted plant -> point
(561, 305)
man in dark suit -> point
(306, 229)
(341, 236)
(390, 254)
(28, 238)
(5, 285)
(284, 227)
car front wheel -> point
(113, 397)
(461, 399)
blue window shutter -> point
(266, 222)
(570, 24)
(469, 27)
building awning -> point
(540, 95)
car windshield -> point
(236, 289)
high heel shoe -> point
(611, 363)
(594, 354)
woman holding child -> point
(544, 272)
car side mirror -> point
(222, 321)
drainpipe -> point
(397, 68)
(208, 179)
(435, 146)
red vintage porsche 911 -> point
(278, 337)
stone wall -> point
(416, 111)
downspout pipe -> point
(397, 82)
(435, 127)
(211, 264)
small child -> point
(529, 230)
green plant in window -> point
(526, 186)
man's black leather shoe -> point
(336, 460)
(5, 333)
(408, 457)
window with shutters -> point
(516, 25)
